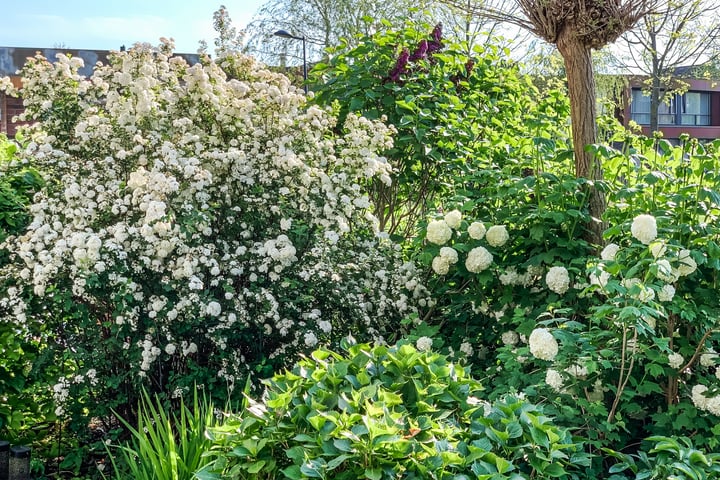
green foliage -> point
(668, 458)
(388, 412)
(454, 114)
(165, 446)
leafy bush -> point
(455, 114)
(667, 458)
(193, 229)
(388, 412)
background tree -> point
(575, 27)
(322, 22)
(680, 34)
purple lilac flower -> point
(420, 52)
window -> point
(691, 108)
(640, 107)
(695, 109)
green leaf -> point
(373, 473)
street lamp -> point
(286, 34)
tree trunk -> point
(581, 88)
(654, 103)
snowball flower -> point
(554, 379)
(478, 259)
(440, 265)
(310, 339)
(667, 293)
(542, 344)
(476, 230)
(558, 280)
(687, 264)
(213, 309)
(510, 338)
(450, 254)
(702, 402)
(601, 280)
(708, 359)
(675, 360)
(438, 232)
(608, 253)
(644, 228)
(424, 344)
(665, 271)
(453, 219)
(497, 235)
(466, 348)
(658, 249)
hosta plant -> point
(388, 412)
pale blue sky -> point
(107, 24)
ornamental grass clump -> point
(388, 412)
(194, 228)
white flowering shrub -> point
(195, 228)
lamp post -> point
(286, 34)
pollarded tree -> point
(680, 34)
(575, 27)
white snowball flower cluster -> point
(686, 264)
(542, 344)
(644, 228)
(708, 359)
(476, 230)
(453, 219)
(610, 251)
(478, 259)
(497, 236)
(675, 360)
(558, 279)
(441, 263)
(554, 380)
(438, 232)
(510, 338)
(424, 344)
(709, 404)
(666, 293)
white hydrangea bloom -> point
(644, 228)
(711, 404)
(658, 248)
(708, 359)
(310, 339)
(554, 380)
(609, 252)
(686, 264)
(476, 230)
(453, 219)
(438, 232)
(558, 279)
(450, 254)
(600, 280)
(478, 259)
(665, 271)
(542, 344)
(440, 265)
(667, 293)
(497, 235)
(466, 348)
(675, 360)
(510, 338)
(424, 344)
